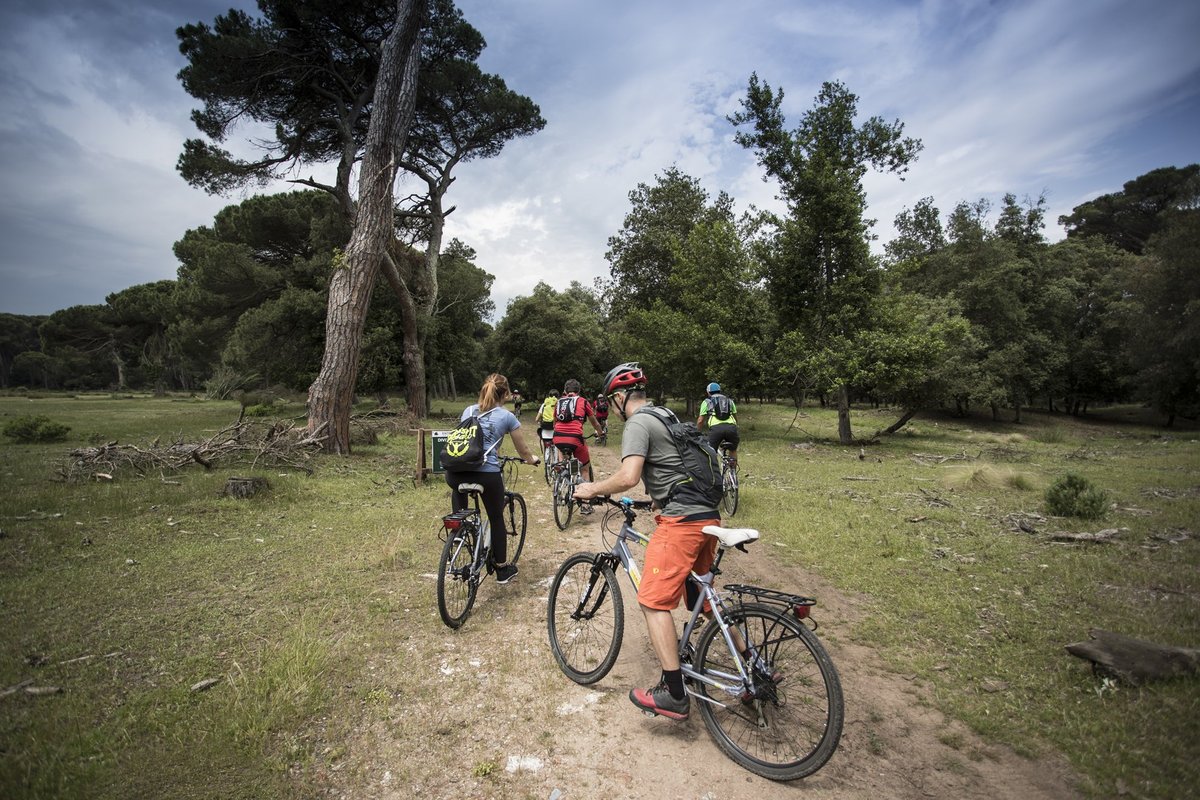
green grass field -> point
(124, 594)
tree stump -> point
(1134, 661)
(243, 488)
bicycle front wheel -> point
(457, 581)
(515, 521)
(586, 618)
(789, 726)
(564, 499)
(730, 498)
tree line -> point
(339, 295)
(962, 310)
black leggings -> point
(493, 504)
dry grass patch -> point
(987, 476)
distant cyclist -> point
(719, 413)
(545, 416)
(601, 406)
(571, 411)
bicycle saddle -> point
(731, 537)
(470, 488)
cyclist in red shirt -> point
(569, 414)
(601, 406)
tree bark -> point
(330, 398)
(1134, 660)
(843, 403)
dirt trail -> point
(532, 731)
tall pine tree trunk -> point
(331, 395)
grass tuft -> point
(987, 477)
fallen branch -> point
(1134, 661)
(1099, 537)
(16, 687)
(931, 458)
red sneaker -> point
(659, 701)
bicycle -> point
(565, 475)
(549, 454)
(466, 554)
(774, 706)
(729, 480)
(602, 436)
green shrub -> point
(260, 410)
(1075, 496)
(35, 429)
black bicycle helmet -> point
(624, 377)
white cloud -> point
(1072, 98)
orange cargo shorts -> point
(675, 549)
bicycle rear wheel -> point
(790, 726)
(564, 499)
(730, 498)
(585, 618)
(457, 581)
(515, 521)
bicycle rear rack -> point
(770, 595)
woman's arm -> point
(523, 449)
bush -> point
(1076, 496)
(35, 429)
(260, 410)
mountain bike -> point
(768, 692)
(729, 480)
(466, 554)
(564, 476)
(602, 435)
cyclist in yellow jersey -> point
(719, 413)
(545, 416)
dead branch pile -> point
(275, 444)
(366, 427)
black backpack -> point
(720, 406)
(464, 445)
(703, 485)
(564, 410)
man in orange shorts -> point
(678, 545)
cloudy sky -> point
(1067, 98)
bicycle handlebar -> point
(519, 460)
(625, 503)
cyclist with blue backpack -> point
(719, 413)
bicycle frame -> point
(726, 682)
(474, 515)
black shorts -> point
(723, 432)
